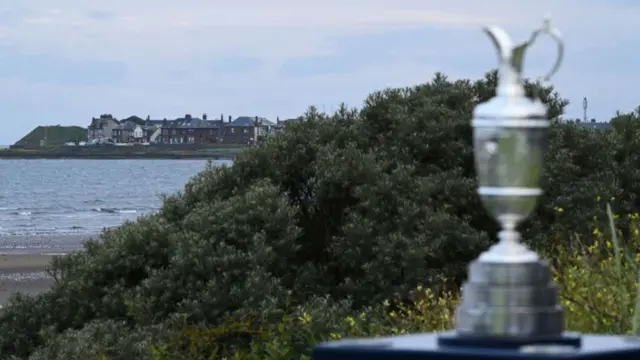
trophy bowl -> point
(509, 162)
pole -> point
(584, 107)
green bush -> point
(334, 216)
(598, 280)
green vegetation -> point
(55, 135)
(119, 152)
(357, 223)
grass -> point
(56, 135)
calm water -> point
(76, 197)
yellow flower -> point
(305, 318)
(350, 320)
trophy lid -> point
(505, 108)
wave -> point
(24, 213)
(93, 201)
(115, 210)
(66, 211)
(33, 230)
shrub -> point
(353, 209)
(598, 289)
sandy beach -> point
(23, 273)
(23, 261)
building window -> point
(232, 130)
(192, 140)
(245, 130)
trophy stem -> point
(508, 249)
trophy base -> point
(509, 301)
(572, 340)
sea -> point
(57, 204)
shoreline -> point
(24, 273)
(157, 151)
(44, 244)
(24, 260)
(221, 156)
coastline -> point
(156, 151)
(10, 154)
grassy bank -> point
(101, 153)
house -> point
(593, 124)
(135, 129)
(190, 130)
(280, 124)
(138, 134)
(247, 130)
(102, 128)
(124, 132)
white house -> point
(138, 134)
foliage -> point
(323, 222)
(598, 290)
(599, 279)
(55, 135)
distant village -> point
(243, 130)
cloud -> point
(101, 15)
(236, 64)
(13, 15)
(349, 53)
(275, 58)
(56, 69)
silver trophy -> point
(509, 293)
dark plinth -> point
(425, 347)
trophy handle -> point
(514, 55)
(554, 33)
(502, 43)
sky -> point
(65, 61)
